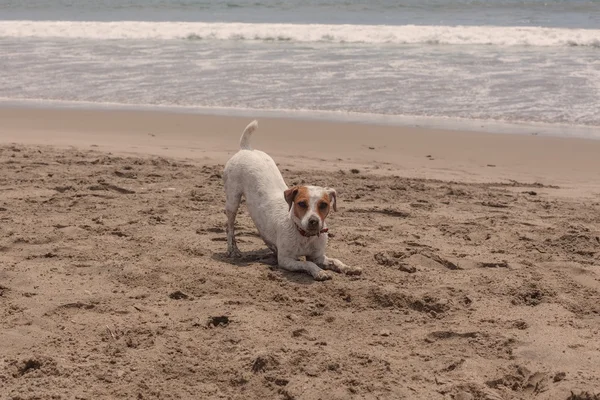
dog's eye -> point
(302, 204)
(323, 206)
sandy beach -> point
(480, 254)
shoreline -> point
(406, 121)
(474, 157)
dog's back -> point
(254, 175)
(253, 169)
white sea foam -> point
(375, 34)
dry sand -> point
(481, 274)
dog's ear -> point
(290, 195)
(332, 198)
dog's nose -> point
(313, 222)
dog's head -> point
(309, 206)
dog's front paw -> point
(322, 276)
(353, 271)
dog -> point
(291, 221)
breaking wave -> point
(304, 33)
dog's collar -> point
(303, 232)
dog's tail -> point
(245, 139)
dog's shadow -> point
(268, 258)
(263, 256)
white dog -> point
(290, 221)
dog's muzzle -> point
(306, 234)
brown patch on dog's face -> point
(322, 206)
(301, 202)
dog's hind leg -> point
(232, 203)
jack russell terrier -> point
(291, 221)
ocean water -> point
(533, 65)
